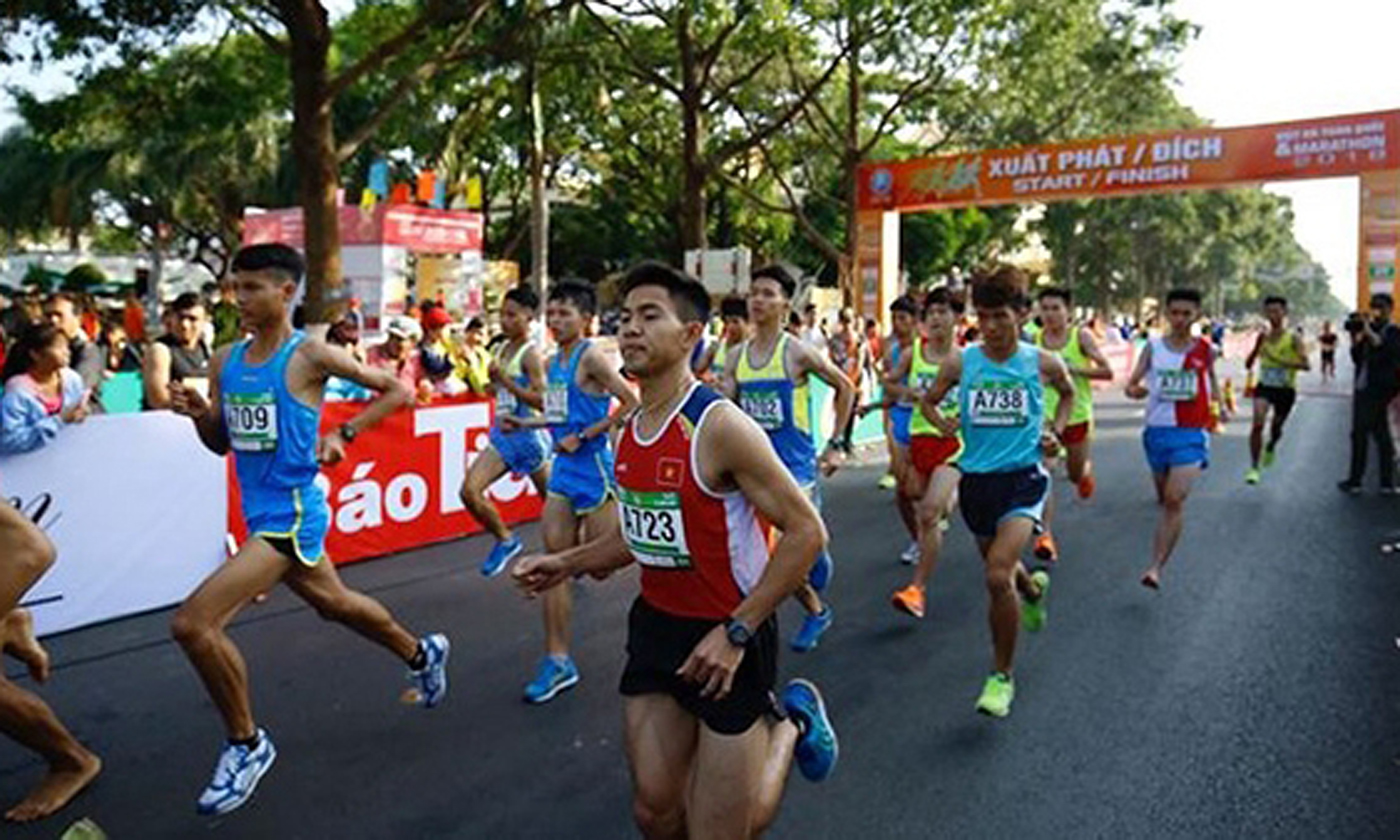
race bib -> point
(1273, 377)
(1177, 385)
(506, 404)
(765, 407)
(654, 528)
(999, 404)
(251, 420)
(197, 383)
(948, 406)
(556, 403)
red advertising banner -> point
(1166, 161)
(423, 229)
(397, 488)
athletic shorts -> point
(1077, 433)
(523, 452)
(900, 417)
(583, 479)
(294, 521)
(1329, 356)
(1169, 446)
(1282, 399)
(658, 643)
(989, 499)
(929, 452)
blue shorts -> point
(523, 452)
(297, 517)
(1168, 447)
(989, 499)
(900, 417)
(583, 479)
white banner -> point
(137, 508)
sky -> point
(1255, 61)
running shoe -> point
(822, 570)
(1251, 476)
(1351, 488)
(236, 775)
(886, 481)
(1268, 460)
(813, 626)
(910, 555)
(1033, 611)
(817, 749)
(997, 694)
(501, 554)
(1086, 486)
(909, 600)
(554, 675)
(1046, 549)
(1389, 490)
(429, 683)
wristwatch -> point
(738, 632)
(347, 432)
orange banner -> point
(1162, 162)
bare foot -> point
(22, 643)
(57, 789)
(1152, 579)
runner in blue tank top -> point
(1003, 486)
(580, 385)
(265, 408)
(518, 374)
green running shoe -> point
(1033, 612)
(996, 696)
(1251, 477)
(1268, 460)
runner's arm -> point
(598, 557)
(728, 383)
(1134, 388)
(707, 358)
(1215, 395)
(330, 360)
(1100, 369)
(819, 365)
(1254, 353)
(1054, 373)
(1302, 348)
(599, 369)
(949, 375)
(208, 415)
(532, 394)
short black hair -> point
(1279, 299)
(1004, 285)
(1384, 299)
(778, 275)
(271, 256)
(186, 302)
(1188, 295)
(943, 296)
(524, 295)
(905, 304)
(476, 323)
(1056, 292)
(688, 295)
(734, 306)
(577, 293)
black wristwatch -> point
(347, 432)
(738, 632)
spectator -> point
(117, 350)
(398, 354)
(434, 351)
(42, 393)
(181, 355)
(812, 332)
(1327, 341)
(228, 324)
(794, 325)
(344, 333)
(85, 357)
(846, 353)
(355, 315)
(473, 361)
(90, 319)
(1375, 352)
(134, 319)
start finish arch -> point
(1363, 145)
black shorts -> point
(1281, 399)
(989, 499)
(1329, 356)
(658, 644)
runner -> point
(774, 391)
(264, 406)
(1003, 487)
(1076, 347)
(735, 312)
(932, 477)
(581, 385)
(1281, 353)
(1327, 340)
(1180, 371)
(904, 319)
(25, 554)
(517, 371)
(708, 745)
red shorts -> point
(929, 452)
(1078, 433)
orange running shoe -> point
(909, 600)
(1045, 548)
(1086, 486)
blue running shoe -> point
(554, 676)
(822, 570)
(817, 750)
(236, 775)
(813, 626)
(501, 555)
(429, 684)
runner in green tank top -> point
(1281, 354)
(1076, 347)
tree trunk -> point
(539, 200)
(314, 150)
(848, 272)
(693, 163)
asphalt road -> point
(1256, 695)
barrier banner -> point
(398, 486)
(136, 508)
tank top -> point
(507, 405)
(272, 433)
(1072, 354)
(922, 375)
(1178, 390)
(701, 552)
(1003, 408)
(1283, 349)
(186, 363)
(568, 408)
(781, 407)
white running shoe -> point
(236, 775)
(910, 555)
